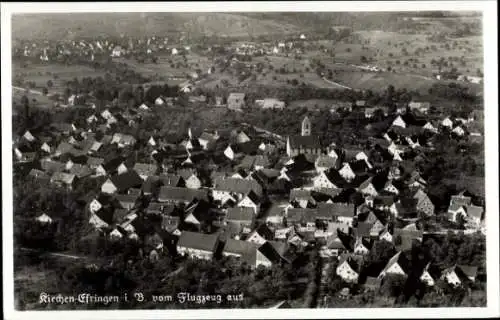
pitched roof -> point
(93, 161)
(240, 214)
(469, 271)
(147, 169)
(171, 180)
(302, 214)
(400, 259)
(243, 186)
(168, 193)
(66, 178)
(475, 211)
(306, 142)
(247, 249)
(196, 240)
(127, 180)
(324, 161)
(336, 209)
(80, 170)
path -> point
(336, 84)
(56, 254)
(30, 90)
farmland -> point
(57, 73)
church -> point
(305, 143)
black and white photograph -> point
(249, 160)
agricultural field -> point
(57, 73)
(169, 65)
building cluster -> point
(261, 200)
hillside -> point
(57, 26)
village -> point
(358, 217)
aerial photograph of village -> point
(210, 160)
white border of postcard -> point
(489, 9)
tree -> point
(45, 91)
(363, 59)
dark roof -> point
(264, 231)
(200, 241)
(243, 186)
(180, 194)
(271, 252)
(113, 164)
(306, 142)
(127, 180)
(400, 259)
(469, 271)
(363, 229)
(171, 180)
(335, 178)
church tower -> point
(306, 127)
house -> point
(80, 171)
(239, 188)
(276, 213)
(405, 238)
(199, 245)
(242, 216)
(446, 122)
(430, 127)
(250, 200)
(430, 274)
(171, 224)
(207, 140)
(330, 179)
(270, 103)
(362, 246)
(302, 217)
(336, 244)
(274, 252)
(256, 162)
(120, 183)
(346, 269)
(197, 212)
(325, 162)
(260, 235)
(399, 122)
(28, 136)
(63, 179)
(397, 265)
(347, 172)
(424, 203)
(110, 167)
(372, 284)
(44, 219)
(236, 101)
(302, 198)
(190, 179)
(458, 131)
(385, 235)
(123, 140)
(340, 212)
(145, 170)
(367, 188)
(243, 250)
(38, 175)
(180, 195)
(126, 201)
(457, 275)
(422, 107)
